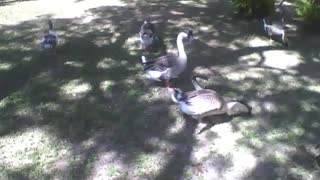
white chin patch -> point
(47, 46)
(147, 41)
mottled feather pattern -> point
(160, 64)
(205, 96)
(49, 41)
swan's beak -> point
(190, 38)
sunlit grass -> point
(21, 11)
(91, 107)
(75, 89)
(5, 66)
(36, 147)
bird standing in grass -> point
(276, 29)
(169, 66)
(147, 34)
(49, 39)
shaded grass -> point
(93, 97)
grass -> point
(88, 112)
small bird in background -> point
(147, 34)
(276, 29)
(318, 157)
(49, 39)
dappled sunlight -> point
(147, 165)
(28, 112)
(224, 144)
(200, 4)
(36, 147)
(76, 64)
(12, 14)
(106, 167)
(287, 79)
(50, 106)
(257, 42)
(5, 66)
(106, 85)
(250, 59)
(75, 89)
(282, 59)
(86, 111)
(27, 58)
(106, 63)
(227, 139)
(22, 47)
(179, 123)
(316, 59)
(132, 44)
(314, 88)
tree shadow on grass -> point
(93, 96)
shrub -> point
(254, 8)
(309, 11)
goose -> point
(169, 66)
(147, 34)
(201, 102)
(276, 29)
(49, 39)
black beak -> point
(190, 35)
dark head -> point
(190, 35)
(249, 108)
(147, 25)
(50, 24)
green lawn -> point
(87, 112)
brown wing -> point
(163, 63)
(204, 96)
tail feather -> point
(195, 83)
(50, 25)
(143, 59)
(146, 64)
(235, 108)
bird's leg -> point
(270, 39)
(142, 46)
(284, 39)
(200, 119)
(207, 127)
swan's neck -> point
(181, 52)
